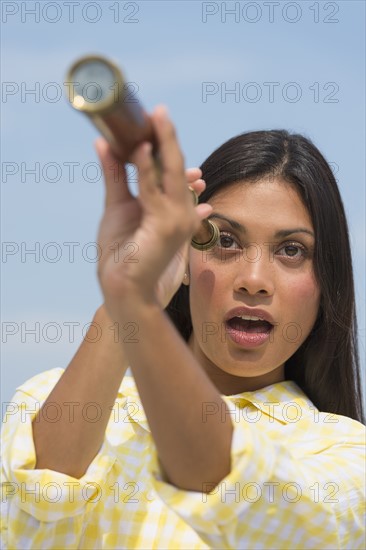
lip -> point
(243, 310)
(245, 339)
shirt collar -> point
(284, 401)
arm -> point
(94, 375)
(173, 387)
(97, 370)
(171, 383)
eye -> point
(227, 241)
(293, 251)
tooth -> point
(250, 318)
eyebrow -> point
(279, 234)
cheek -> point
(207, 277)
(206, 291)
(303, 295)
(203, 284)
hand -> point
(171, 279)
(145, 240)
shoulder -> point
(342, 437)
(342, 430)
(343, 425)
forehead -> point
(268, 201)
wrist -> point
(133, 308)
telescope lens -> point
(93, 81)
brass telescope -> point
(100, 92)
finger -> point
(148, 184)
(194, 180)
(203, 210)
(198, 186)
(115, 176)
(193, 174)
(170, 154)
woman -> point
(245, 419)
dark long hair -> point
(326, 366)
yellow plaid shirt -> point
(297, 480)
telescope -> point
(100, 91)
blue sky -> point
(293, 65)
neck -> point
(229, 384)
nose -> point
(254, 273)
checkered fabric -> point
(297, 480)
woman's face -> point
(254, 266)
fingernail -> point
(163, 111)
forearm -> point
(173, 389)
(93, 376)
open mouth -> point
(250, 326)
